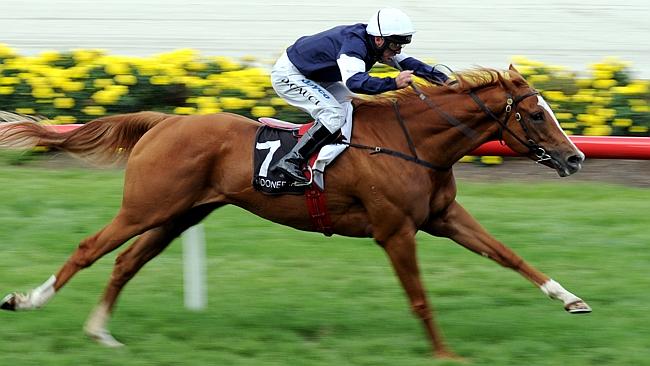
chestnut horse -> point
(181, 168)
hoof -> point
(104, 338)
(578, 307)
(447, 355)
(8, 303)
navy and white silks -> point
(319, 72)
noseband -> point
(511, 104)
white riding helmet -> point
(390, 22)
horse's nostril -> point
(575, 159)
(575, 162)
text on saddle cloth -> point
(271, 144)
(325, 157)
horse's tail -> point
(105, 140)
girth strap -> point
(317, 205)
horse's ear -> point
(515, 76)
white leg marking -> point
(572, 303)
(35, 298)
(554, 290)
(95, 327)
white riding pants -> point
(321, 100)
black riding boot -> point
(316, 137)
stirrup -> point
(311, 178)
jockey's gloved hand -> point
(404, 79)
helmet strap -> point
(385, 45)
(377, 50)
(379, 24)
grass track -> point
(278, 296)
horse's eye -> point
(538, 116)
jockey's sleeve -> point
(356, 78)
(419, 68)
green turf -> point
(278, 296)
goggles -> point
(395, 47)
(397, 42)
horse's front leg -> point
(457, 224)
(400, 248)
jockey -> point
(318, 72)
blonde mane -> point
(467, 80)
(15, 117)
(480, 78)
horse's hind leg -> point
(121, 229)
(129, 262)
(457, 224)
(149, 201)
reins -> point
(412, 158)
(423, 97)
(511, 103)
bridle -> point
(511, 104)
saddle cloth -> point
(275, 138)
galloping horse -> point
(181, 168)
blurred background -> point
(277, 296)
(459, 33)
(71, 61)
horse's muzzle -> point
(574, 162)
(564, 165)
(570, 165)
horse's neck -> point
(438, 141)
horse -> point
(179, 169)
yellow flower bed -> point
(606, 101)
(80, 85)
